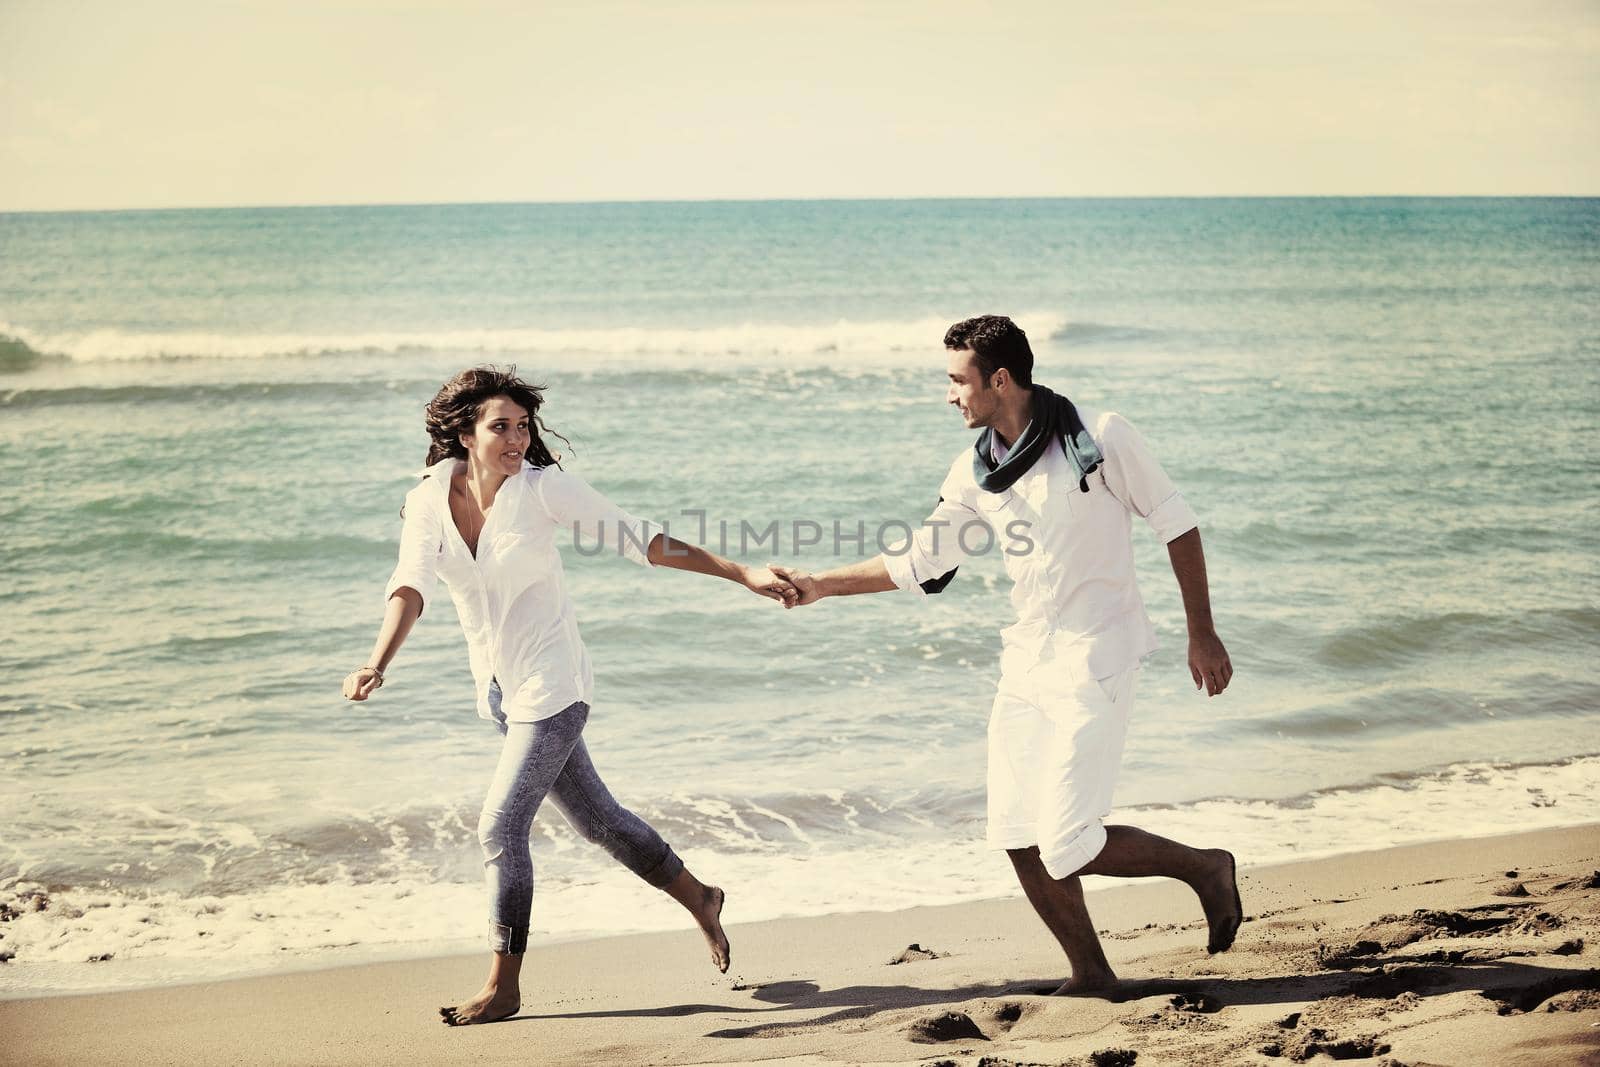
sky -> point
(171, 103)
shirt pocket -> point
(521, 559)
(995, 507)
(1061, 495)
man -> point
(1055, 486)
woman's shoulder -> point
(433, 485)
(549, 485)
(551, 478)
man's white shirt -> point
(1069, 553)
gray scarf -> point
(1054, 416)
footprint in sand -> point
(1189, 1010)
(1397, 980)
(1200, 1003)
(1318, 1042)
(1393, 932)
(1114, 1057)
(1000, 1016)
(1591, 882)
(915, 953)
(946, 1026)
(1514, 1000)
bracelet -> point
(374, 670)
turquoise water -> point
(1384, 412)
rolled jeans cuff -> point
(508, 940)
(662, 874)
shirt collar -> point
(441, 471)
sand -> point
(1463, 952)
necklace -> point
(469, 517)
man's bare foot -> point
(489, 1006)
(1089, 985)
(1219, 896)
(709, 916)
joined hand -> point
(807, 590)
(767, 582)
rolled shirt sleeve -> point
(421, 545)
(1135, 478)
(936, 547)
(577, 505)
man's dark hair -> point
(997, 342)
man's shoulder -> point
(1097, 421)
(959, 477)
(1108, 428)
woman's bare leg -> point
(589, 807)
(530, 761)
(704, 902)
(500, 997)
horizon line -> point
(325, 205)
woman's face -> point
(500, 437)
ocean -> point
(1385, 412)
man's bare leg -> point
(1059, 902)
(1134, 853)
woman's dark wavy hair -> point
(454, 411)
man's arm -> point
(868, 576)
(1134, 477)
(1208, 660)
(929, 561)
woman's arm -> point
(406, 592)
(667, 551)
(405, 604)
(574, 503)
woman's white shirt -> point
(521, 629)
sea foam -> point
(71, 940)
(883, 339)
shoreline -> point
(821, 990)
(285, 927)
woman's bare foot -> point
(709, 916)
(1219, 896)
(704, 902)
(489, 1006)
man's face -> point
(971, 395)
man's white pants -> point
(1055, 747)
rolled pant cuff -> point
(662, 874)
(508, 940)
(1069, 858)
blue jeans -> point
(549, 757)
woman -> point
(484, 519)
